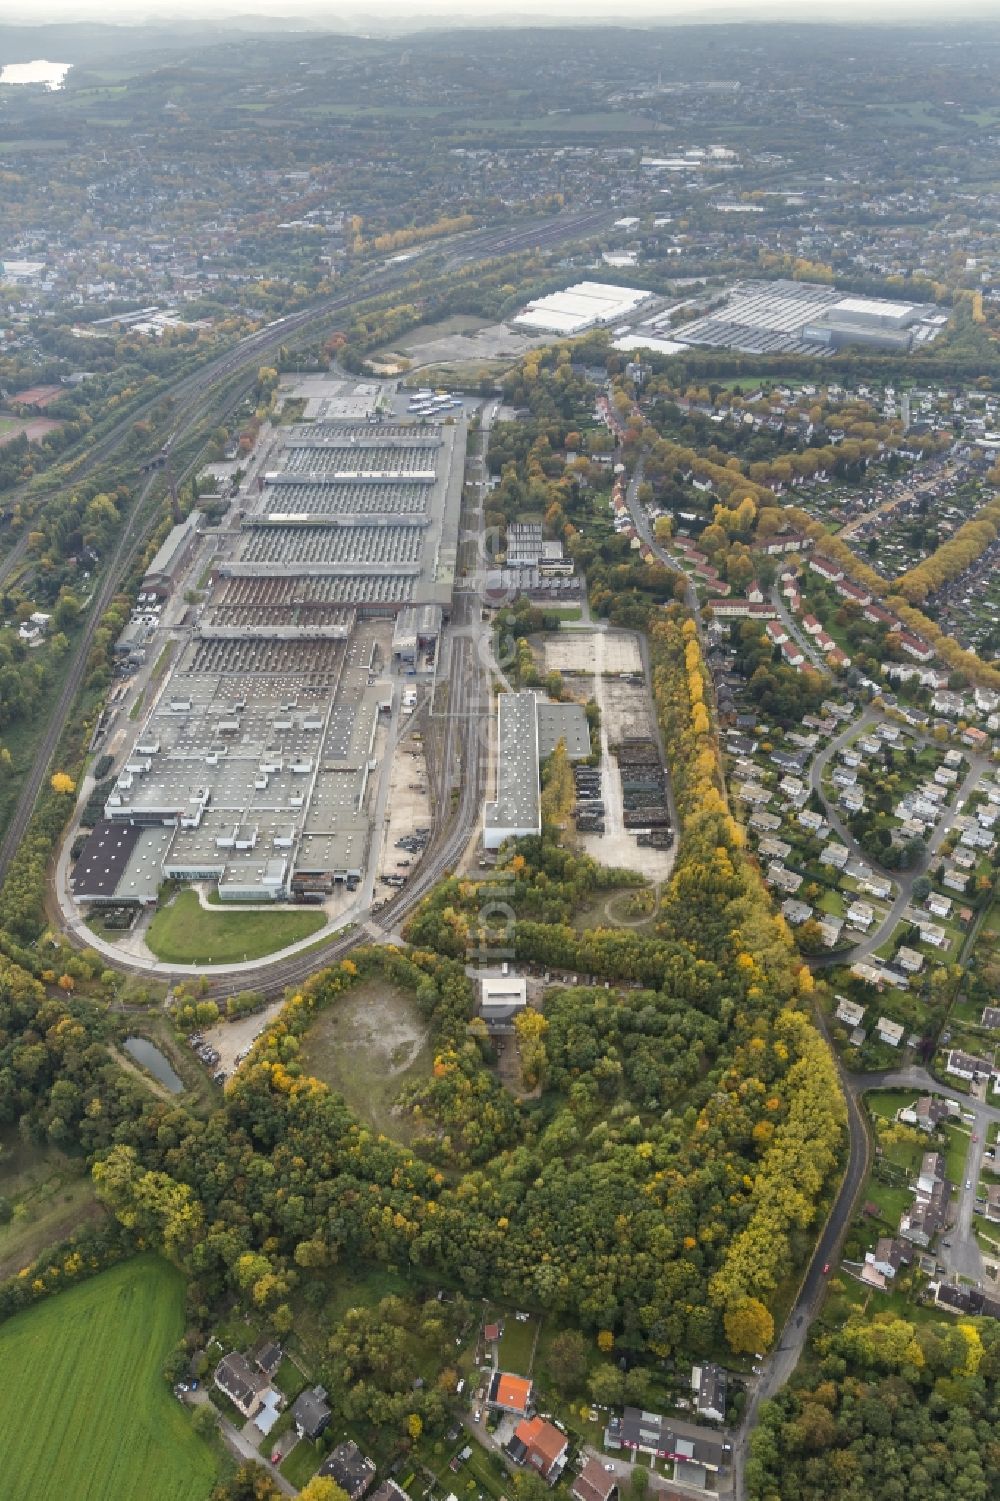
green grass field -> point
(516, 1344)
(302, 1464)
(88, 1416)
(185, 933)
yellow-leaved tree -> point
(749, 1325)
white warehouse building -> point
(588, 304)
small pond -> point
(149, 1055)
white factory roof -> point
(650, 342)
(552, 322)
(517, 809)
(873, 307)
(581, 306)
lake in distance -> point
(52, 75)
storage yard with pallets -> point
(622, 806)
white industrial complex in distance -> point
(588, 304)
(255, 766)
(757, 317)
(786, 317)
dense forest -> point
(893, 1410)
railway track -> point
(463, 742)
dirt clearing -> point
(366, 1045)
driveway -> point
(237, 1444)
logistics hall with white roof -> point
(588, 304)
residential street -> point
(963, 1257)
(797, 634)
(903, 879)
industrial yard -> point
(785, 317)
(264, 763)
(623, 809)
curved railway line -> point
(194, 394)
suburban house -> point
(708, 1382)
(849, 1011)
(884, 1262)
(830, 929)
(267, 1357)
(796, 912)
(909, 960)
(311, 1413)
(540, 1445)
(594, 1483)
(238, 1380)
(925, 1216)
(991, 1018)
(785, 880)
(932, 1172)
(927, 1113)
(967, 1066)
(389, 1491)
(889, 1032)
(511, 1393)
(347, 1467)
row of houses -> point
(856, 594)
(812, 627)
(928, 1213)
(699, 1455)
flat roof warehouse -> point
(588, 304)
(253, 766)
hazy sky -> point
(357, 12)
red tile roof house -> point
(540, 1445)
(853, 592)
(594, 1483)
(915, 647)
(512, 1393)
